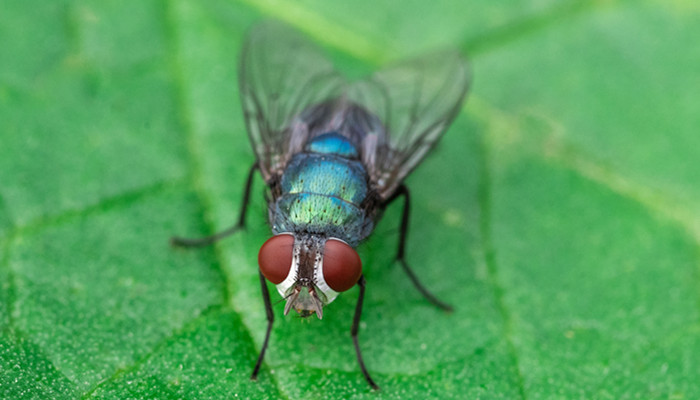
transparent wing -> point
(281, 74)
(415, 101)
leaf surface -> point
(559, 215)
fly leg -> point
(400, 255)
(270, 320)
(207, 240)
(355, 328)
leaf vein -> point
(195, 155)
(484, 198)
(162, 344)
(558, 14)
(552, 146)
(120, 200)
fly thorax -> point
(322, 191)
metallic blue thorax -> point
(322, 190)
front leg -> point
(270, 320)
(354, 330)
(207, 240)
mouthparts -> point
(305, 301)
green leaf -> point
(559, 215)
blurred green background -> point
(559, 215)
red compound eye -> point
(342, 266)
(275, 257)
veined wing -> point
(281, 74)
(416, 101)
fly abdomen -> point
(319, 214)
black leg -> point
(270, 320)
(355, 328)
(207, 240)
(400, 255)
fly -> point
(333, 154)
